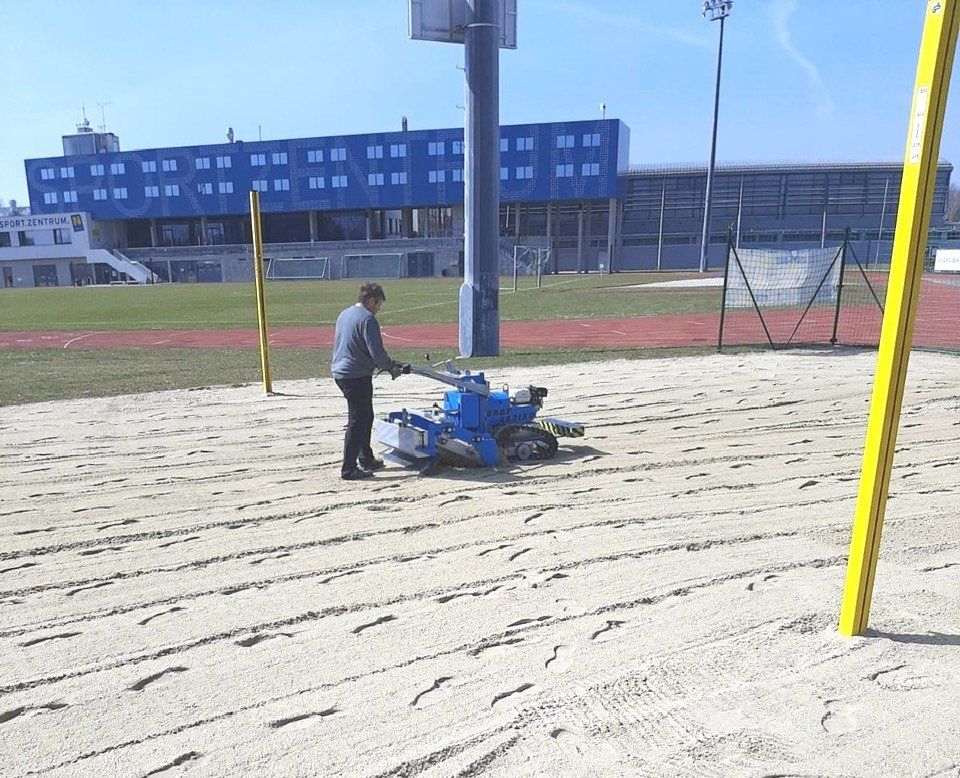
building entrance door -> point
(8, 277)
(215, 234)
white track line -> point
(81, 337)
(394, 337)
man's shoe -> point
(357, 475)
(373, 464)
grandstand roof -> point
(766, 167)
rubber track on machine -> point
(535, 433)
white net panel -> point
(298, 268)
(372, 266)
(783, 279)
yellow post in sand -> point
(258, 281)
(909, 244)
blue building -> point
(324, 188)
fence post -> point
(539, 267)
(843, 267)
(723, 299)
(515, 268)
(258, 282)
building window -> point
(223, 162)
(564, 141)
(96, 170)
(50, 198)
(437, 176)
(151, 191)
(315, 155)
(435, 149)
(504, 144)
(316, 182)
(149, 167)
(70, 197)
(398, 149)
(458, 175)
(591, 139)
(279, 158)
(172, 190)
(525, 171)
(99, 194)
(169, 166)
(524, 144)
(374, 152)
(202, 163)
(564, 171)
(120, 193)
(375, 179)
(118, 168)
(259, 185)
(205, 188)
(504, 174)
(456, 147)
(47, 173)
(226, 187)
(62, 237)
(66, 172)
(338, 155)
(398, 178)
(258, 160)
(590, 169)
(281, 185)
(338, 181)
(25, 238)
(5, 240)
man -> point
(358, 351)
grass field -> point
(317, 303)
(32, 376)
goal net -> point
(833, 295)
(298, 268)
(371, 266)
(781, 297)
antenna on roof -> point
(103, 115)
(603, 110)
(84, 124)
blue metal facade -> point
(539, 162)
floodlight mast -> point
(479, 293)
(718, 10)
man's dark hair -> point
(371, 292)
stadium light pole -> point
(718, 10)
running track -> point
(938, 326)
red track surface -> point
(938, 325)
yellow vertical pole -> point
(258, 281)
(913, 220)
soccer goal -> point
(298, 268)
(372, 266)
(791, 297)
(526, 261)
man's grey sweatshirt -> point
(357, 345)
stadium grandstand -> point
(102, 215)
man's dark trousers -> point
(356, 444)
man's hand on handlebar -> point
(398, 369)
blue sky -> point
(803, 79)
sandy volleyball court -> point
(188, 588)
